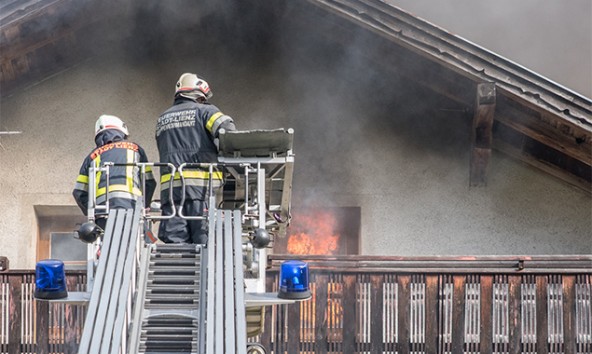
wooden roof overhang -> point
(515, 110)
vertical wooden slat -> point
(542, 321)
(458, 314)
(42, 322)
(70, 345)
(350, 325)
(14, 314)
(486, 314)
(321, 314)
(431, 320)
(514, 314)
(293, 345)
(376, 311)
(403, 313)
(70, 315)
(569, 309)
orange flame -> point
(313, 234)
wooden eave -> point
(550, 125)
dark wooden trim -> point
(376, 309)
(293, 320)
(481, 134)
(569, 314)
(458, 314)
(514, 314)
(321, 298)
(403, 282)
(511, 265)
(350, 310)
(43, 326)
(486, 313)
(431, 306)
(14, 314)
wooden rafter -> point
(482, 137)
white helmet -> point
(110, 122)
(192, 87)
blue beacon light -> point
(294, 281)
(50, 280)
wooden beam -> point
(481, 136)
(554, 171)
(573, 140)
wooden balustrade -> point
(374, 305)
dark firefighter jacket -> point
(185, 133)
(125, 183)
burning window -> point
(322, 231)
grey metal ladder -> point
(168, 308)
(105, 319)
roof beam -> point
(481, 135)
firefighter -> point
(124, 181)
(186, 133)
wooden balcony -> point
(375, 305)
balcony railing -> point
(374, 305)
(437, 305)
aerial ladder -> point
(148, 297)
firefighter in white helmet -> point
(185, 133)
(112, 145)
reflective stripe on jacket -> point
(124, 181)
(185, 133)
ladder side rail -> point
(219, 267)
(91, 205)
(89, 322)
(203, 304)
(107, 288)
(138, 308)
(124, 294)
(229, 293)
(211, 283)
(116, 280)
(241, 339)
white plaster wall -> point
(409, 174)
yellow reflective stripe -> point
(192, 174)
(166, 178)
(82, 179)
(129, 171)
(97, 163)
(212, 120)
(119, 188)
(194, 182)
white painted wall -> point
(411, 182)
(408, 171)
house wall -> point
(362, 138)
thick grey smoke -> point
(365, 136)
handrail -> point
(143, 166)
(210, 167)
(521, 264)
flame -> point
(313, 234)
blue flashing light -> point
(50, 280)
(294, 280)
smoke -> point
(365, 135)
